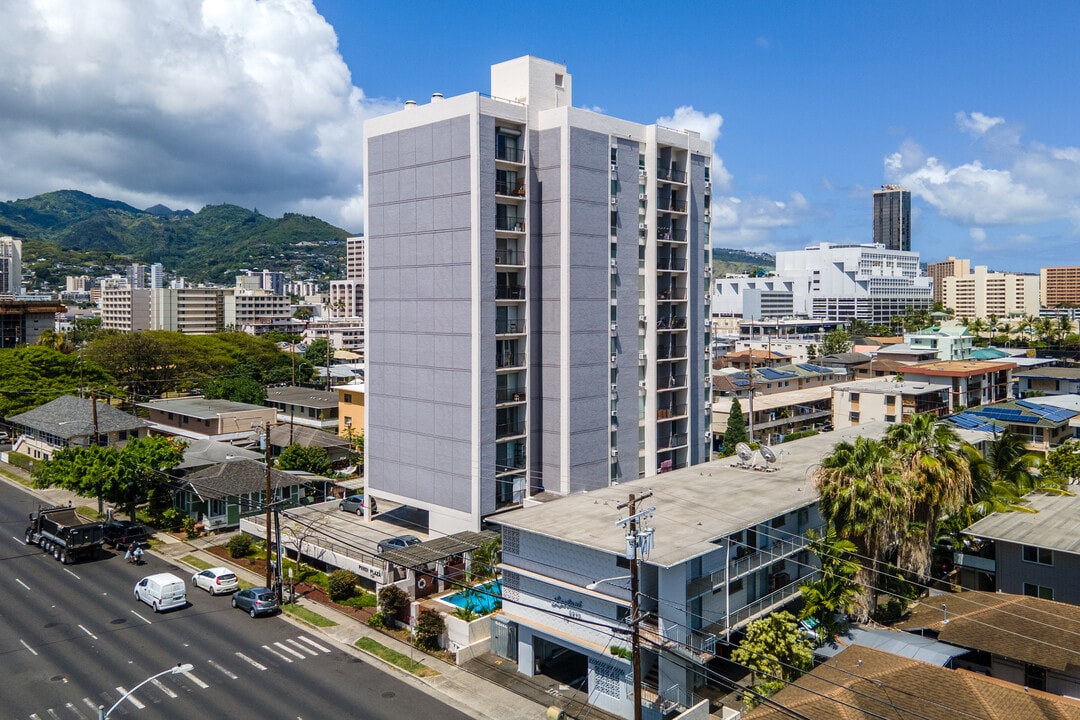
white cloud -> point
(977, 234)
(750, 222)
(1010, 182)
(181, 102)
(708, 126)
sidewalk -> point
(486, 691)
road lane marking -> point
(251, 662)
(72, 574)
(18, 540)
(131, 698)
(286, 659)
(75, 711)
(305, 648)
(227, 673)
(52, 714)
(163, 688)
(88, 632)
(92, 705)
(195, 680)
(288, 649)
(22, 583)
(27, 646)
(141, 618)
(34, 716)
(309, 641)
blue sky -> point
(973, 106)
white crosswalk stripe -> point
(75, 711)
(193, 678)
(286, 659)
(251, 662)
(228, 673)
(91, 704)
(288, 649)
(131, 698)
(164, 688)
(314, 644)
(305, 648)
(52, 714)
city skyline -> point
(810, 108)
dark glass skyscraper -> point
(892, 217)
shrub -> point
(170, 519)
(429, 629)
(377, 620)
(341, 585)
(620, 651)
(393, 601)
(239, 546)
(189, 527)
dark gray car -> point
(256, 601)
(396, 543)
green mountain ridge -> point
(67, 229)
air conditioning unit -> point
(708, 271)
(614, 387)
(614, 263)
(642, 356)
(614, 328)
(614, 452)
(706, 212)
(708, 406)
(614, 167)
(708, 435)
(614, 358)
(708, 185)
(614, 201)
(642, 383)
(642, 196)
(614, 413)
(642, 173)
(642, 226)
(643, 318)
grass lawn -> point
(197, 563)
(395, 658)
(307, 615)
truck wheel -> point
(29, 540)
(56, 552)
(66, 558)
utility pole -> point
(636, 541)
(267, 502)
(93, 414)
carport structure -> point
(437, 565)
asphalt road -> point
(72, 637)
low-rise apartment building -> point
(202, 419)
(885, 400)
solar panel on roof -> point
(1029, 405)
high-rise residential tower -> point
(10, 266)
(536, 298)
(892, 217)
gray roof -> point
(844, 358)
(303, 396)
(430, 551)
(904, 644)
(1055, 526)
(200, 453)
(1065, 373)
(281, 435)
(200, 407)
(70, 417)
(694, 505)
(238, 477)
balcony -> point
(509, 462)
(509, 428)
(675, 293)
(671, 323)
(667, 234)
(673, 411)
(509, 153)
(705, 583)
(674, 206)
(671, 264)
(510, 327)
(671, 382)
(510, 223)
(778, 550)
(671, 352)
(509, 395)
(510, 257)
(510, 189)
(766, 604)
(668, 174)
(509, 292)
(509, 360)
(695, 644)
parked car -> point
(162, 591)
(396, 543)
(216, 581)
(257, 601)
(121, 533)
(355, 503)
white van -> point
(163, 591)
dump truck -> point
(64, 533)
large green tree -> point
(32, 375)
(242, 389)
(776, 651)
(309, 459)
(835, 342)
(831, 598)
(735, 432)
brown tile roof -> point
(960, 368)
(1028, 629)
(862, 682)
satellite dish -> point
(744, 452)
(767, 454)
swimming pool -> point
(482, 600)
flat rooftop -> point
(200, 407)
(307, 397)
(1056, 525)
(694, 506)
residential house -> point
(1020, 639)
(69, 421)
(338, 449)
(946, 342)
(1048, 381)
(1042, 425)
(864, 682)
(198, 418)
(970, 382)
(888, 400)
(778, 414)
(304, 406)
(727, 545)
(1027, 553)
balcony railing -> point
(510, 154)
(505, 395)
(762, 604)
(509, 428)
(668, 353)
(509, 463)
(510, 223)
(509, 292)
(509, 359)
(671, 175)
(675, 206)
(671, 323)
(510, 327)
(777, 550)
(670, 263)
(675, 293)
(676, 440)
(509, 257)
(671, 412)
(670, 235)
(514, 189)
(672, 381)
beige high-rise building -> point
(125, 308)
(950, 267)
(1059, 286)
(191, 310)
(983, 293)
(354, 258)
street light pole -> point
(103, 713)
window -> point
(854, 397)
(890, 418)
(735, 586)
(1038, 555)
(853, 417)
(348, 397)
(1035, 677)
(778, 522)
(1039, 591)
(348, 421)
(558, 80)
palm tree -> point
(836, 592)
(976, 327)
(865, 501)
(929, 456)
